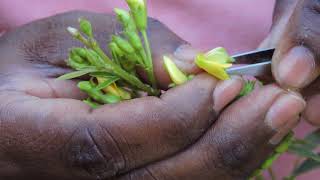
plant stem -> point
(121, 73)
(135, 81)
(271, 173)
(149, 62)
(259, 177)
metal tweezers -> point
(255, 63)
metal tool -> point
(254, 63)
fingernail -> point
(185, 52)
(277, 138)
(296, 68)
(284, 110)
(226, 91)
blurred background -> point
(236, 25)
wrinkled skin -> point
(296, 29)
(190, 132)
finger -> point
(312, 113)
(237, 143)
(41, 87)
(282, 12)
(296, 61)
(107, 141)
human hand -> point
(295, 63)
(190, 132)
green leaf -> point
(306, 166)
(107, 83)
(304, 152)
(102, 74)
(76, 74)
(313, 139)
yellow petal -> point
(177, 76)
(115, 90)
(219, 55)
(213, 68)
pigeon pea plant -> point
(114, 78)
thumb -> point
(296, 60)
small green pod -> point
(123, 44)
(86, 27)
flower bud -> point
(177, 76)
(134, 40)
(76, 65)
(97, 95)
(115, 48)
(139, 13)
(123, 44)
(94, 58)
(73, 31)
(86, 27)
(126, 20)
(79, 51)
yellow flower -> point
(215, 62)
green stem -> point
(149, 62)
(135, 81)
(259, 177)
(271, 173)
(121, 73)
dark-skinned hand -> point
(296, 36)
(191, 132)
